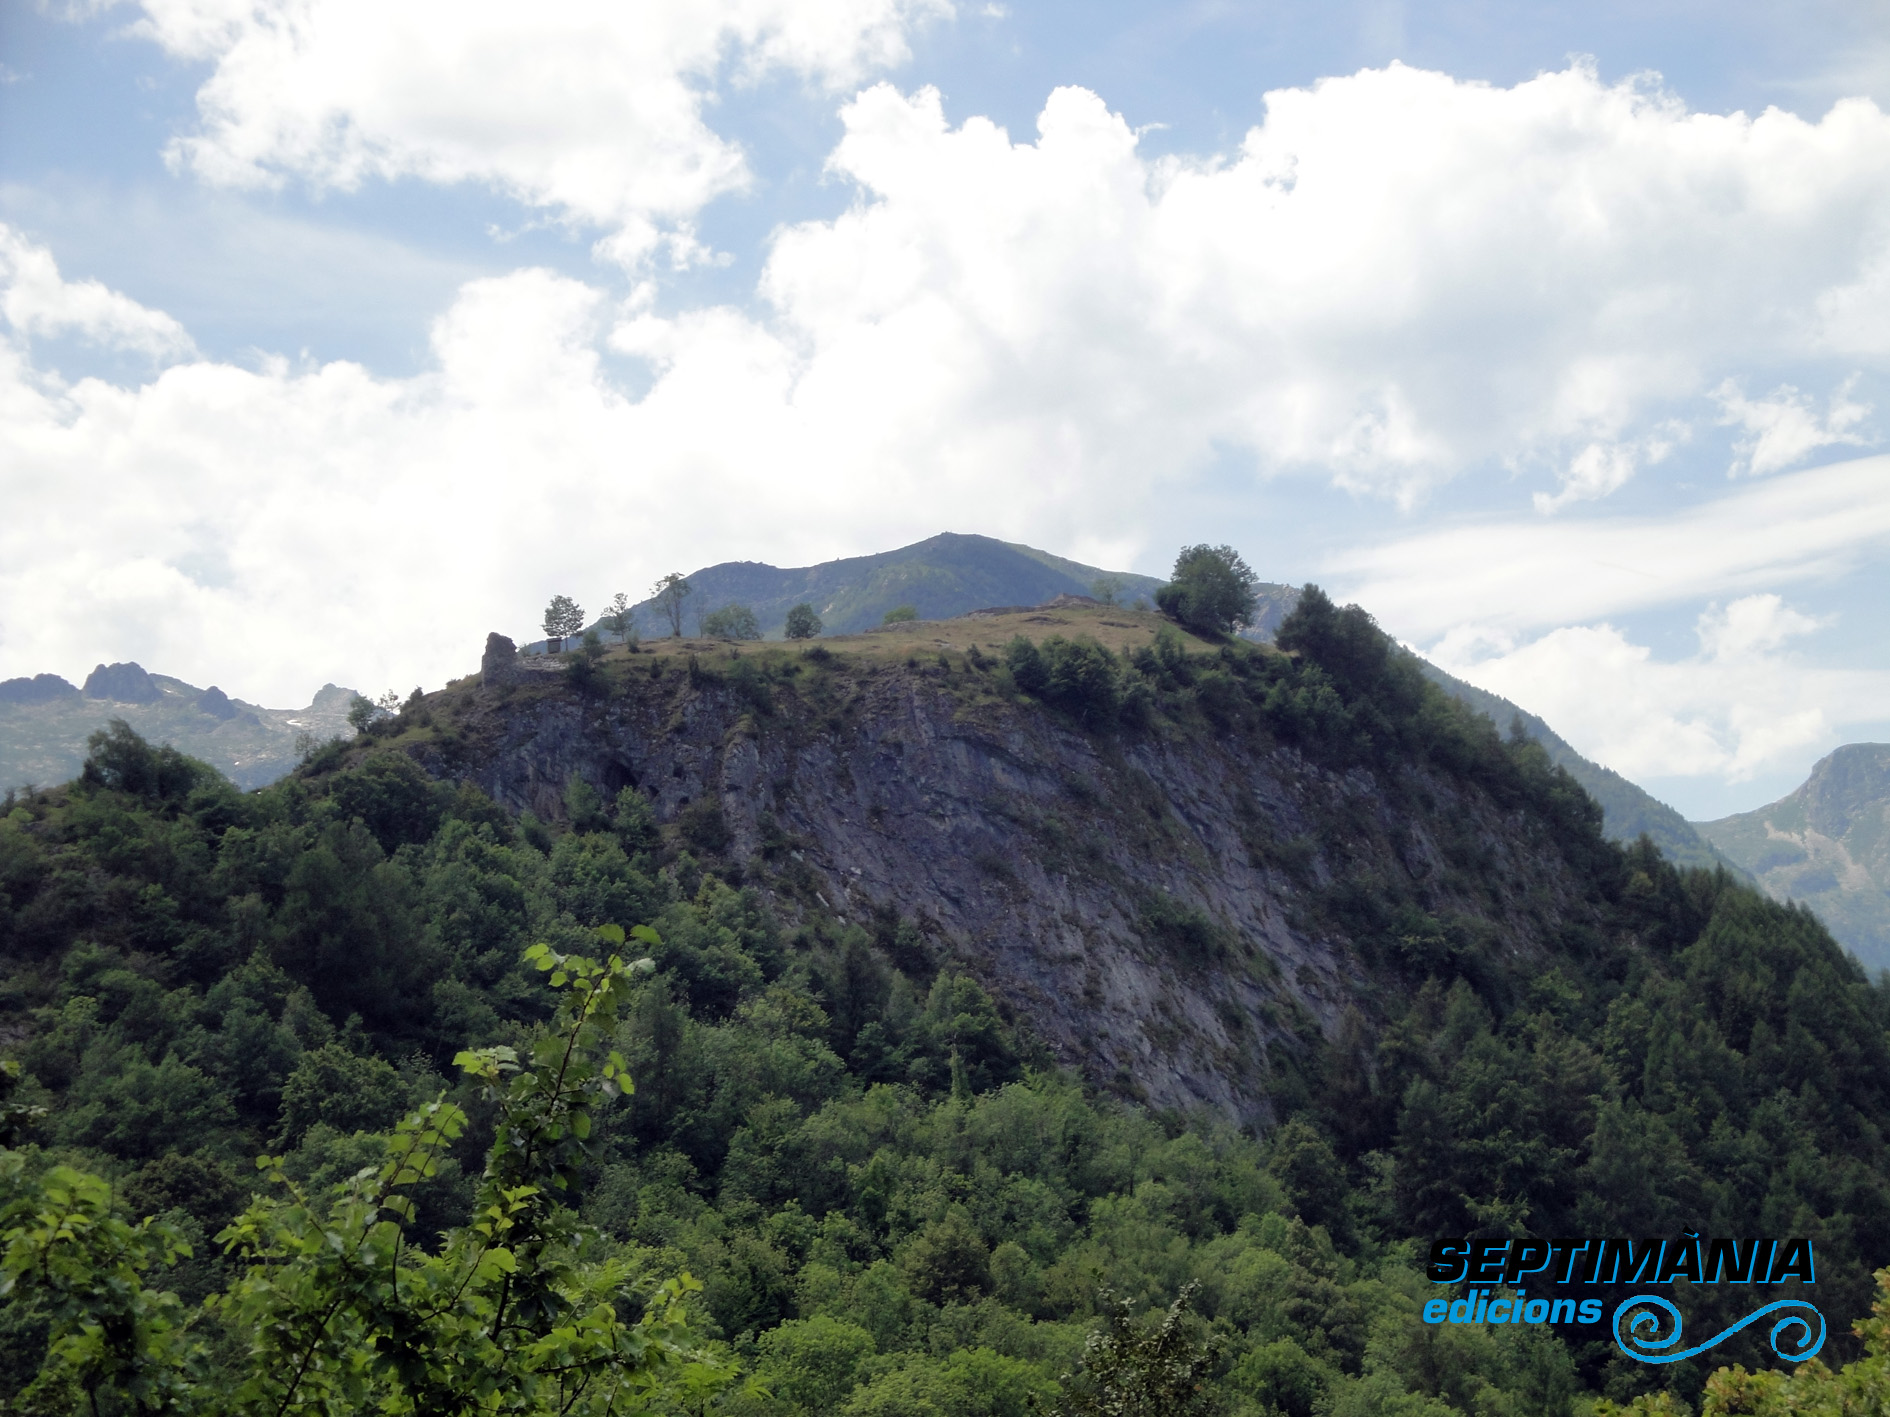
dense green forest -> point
(894, 1203)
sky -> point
(337, 333)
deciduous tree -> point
(802, 623)
(1212, 590)
(564, 616)
(668, 594)
(731, 622)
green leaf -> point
(494, 1262)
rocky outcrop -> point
(217, 704)
(1158, 907)
(499, 664)
(122, 684)
(40, 689)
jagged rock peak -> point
(1849, 780)
(216, 703)
(122, 683)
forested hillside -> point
(1628, 811)
(903, 1187)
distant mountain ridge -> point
(1826, 844)
(942, 576)
(1628, 811)
(45, 720)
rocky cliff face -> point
(1176, 910)
(1827, 844)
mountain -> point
(896, 775)
(941, 576)
(1627, 810)
(951, 574)
(1826, 845)
(974, 981)
(45, 720)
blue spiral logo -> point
(1640, 1330)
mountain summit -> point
(942, 576)
(1827, 846)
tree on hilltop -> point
(668, 594)
(802, 623)
(563, 617)
(1211, 591)
(620, 620)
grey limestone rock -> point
(1150, 903)
(122, 683)
(217, 704)
(499, 664)
(40, 689)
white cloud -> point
(1597, 470)
(1527, 574)
(592, 109)
(1751, 626)
(1742, 706)
(37, 301)
(1784, 427)
(1397, 276)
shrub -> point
(584, 668)
(1026, 663)
(750, 679)
(702, 825)
(1081, 680)
(117, 758)
(635, 821)
(1181, 929)
(731, 622)
(1076, 676)
(899, 614)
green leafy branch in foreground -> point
(336, 1310)
(1132, 1370)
